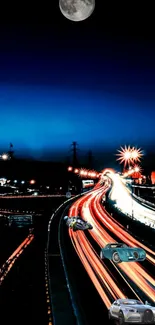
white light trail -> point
(127, 204)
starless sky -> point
(92, 82)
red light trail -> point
(6, 267)
(90, 209)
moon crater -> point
(77, 10)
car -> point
(120, 252)
(129, 311)
(76, 223)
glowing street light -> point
(129, 155)
(32, 181)
(70, 168)
(5, 156)
(136, 154)
(137, 169)
(124, 155)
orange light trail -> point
(90, 209)
(6, 267)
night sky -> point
(92, 82)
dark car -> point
(76, 223)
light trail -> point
(6, 267)
(92, 270)
(124, 201)
(89, 207)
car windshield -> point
(133, 302)
(117, 245)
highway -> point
(74, 299)
(78, 287)
(22, 270)
(138, 282)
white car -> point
(129, 311)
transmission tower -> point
(74, 157)
(11, 152)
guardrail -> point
(142, 186)
(150, 204)
(29, 196)
(49, 293)
(78, 312)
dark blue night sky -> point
(65, 82)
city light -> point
(133, 170)
(136, 155)
(5, 156)
(82, 172)
(32, 181)
(137, 169)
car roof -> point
(116, 244)
(128, 300)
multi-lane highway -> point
(22, 270)
(138, 278)
(93, 284)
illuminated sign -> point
(20, 220)
(87, 183)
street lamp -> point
(5, 156)
(129, 155)
(70, 168)
(32, 181)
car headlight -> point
(131, 310)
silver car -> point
(132, 311)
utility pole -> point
(74, 150)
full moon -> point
(77, 10)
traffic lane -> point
(133, 270)
(87, 297)
(22, 294)
(99, 235)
